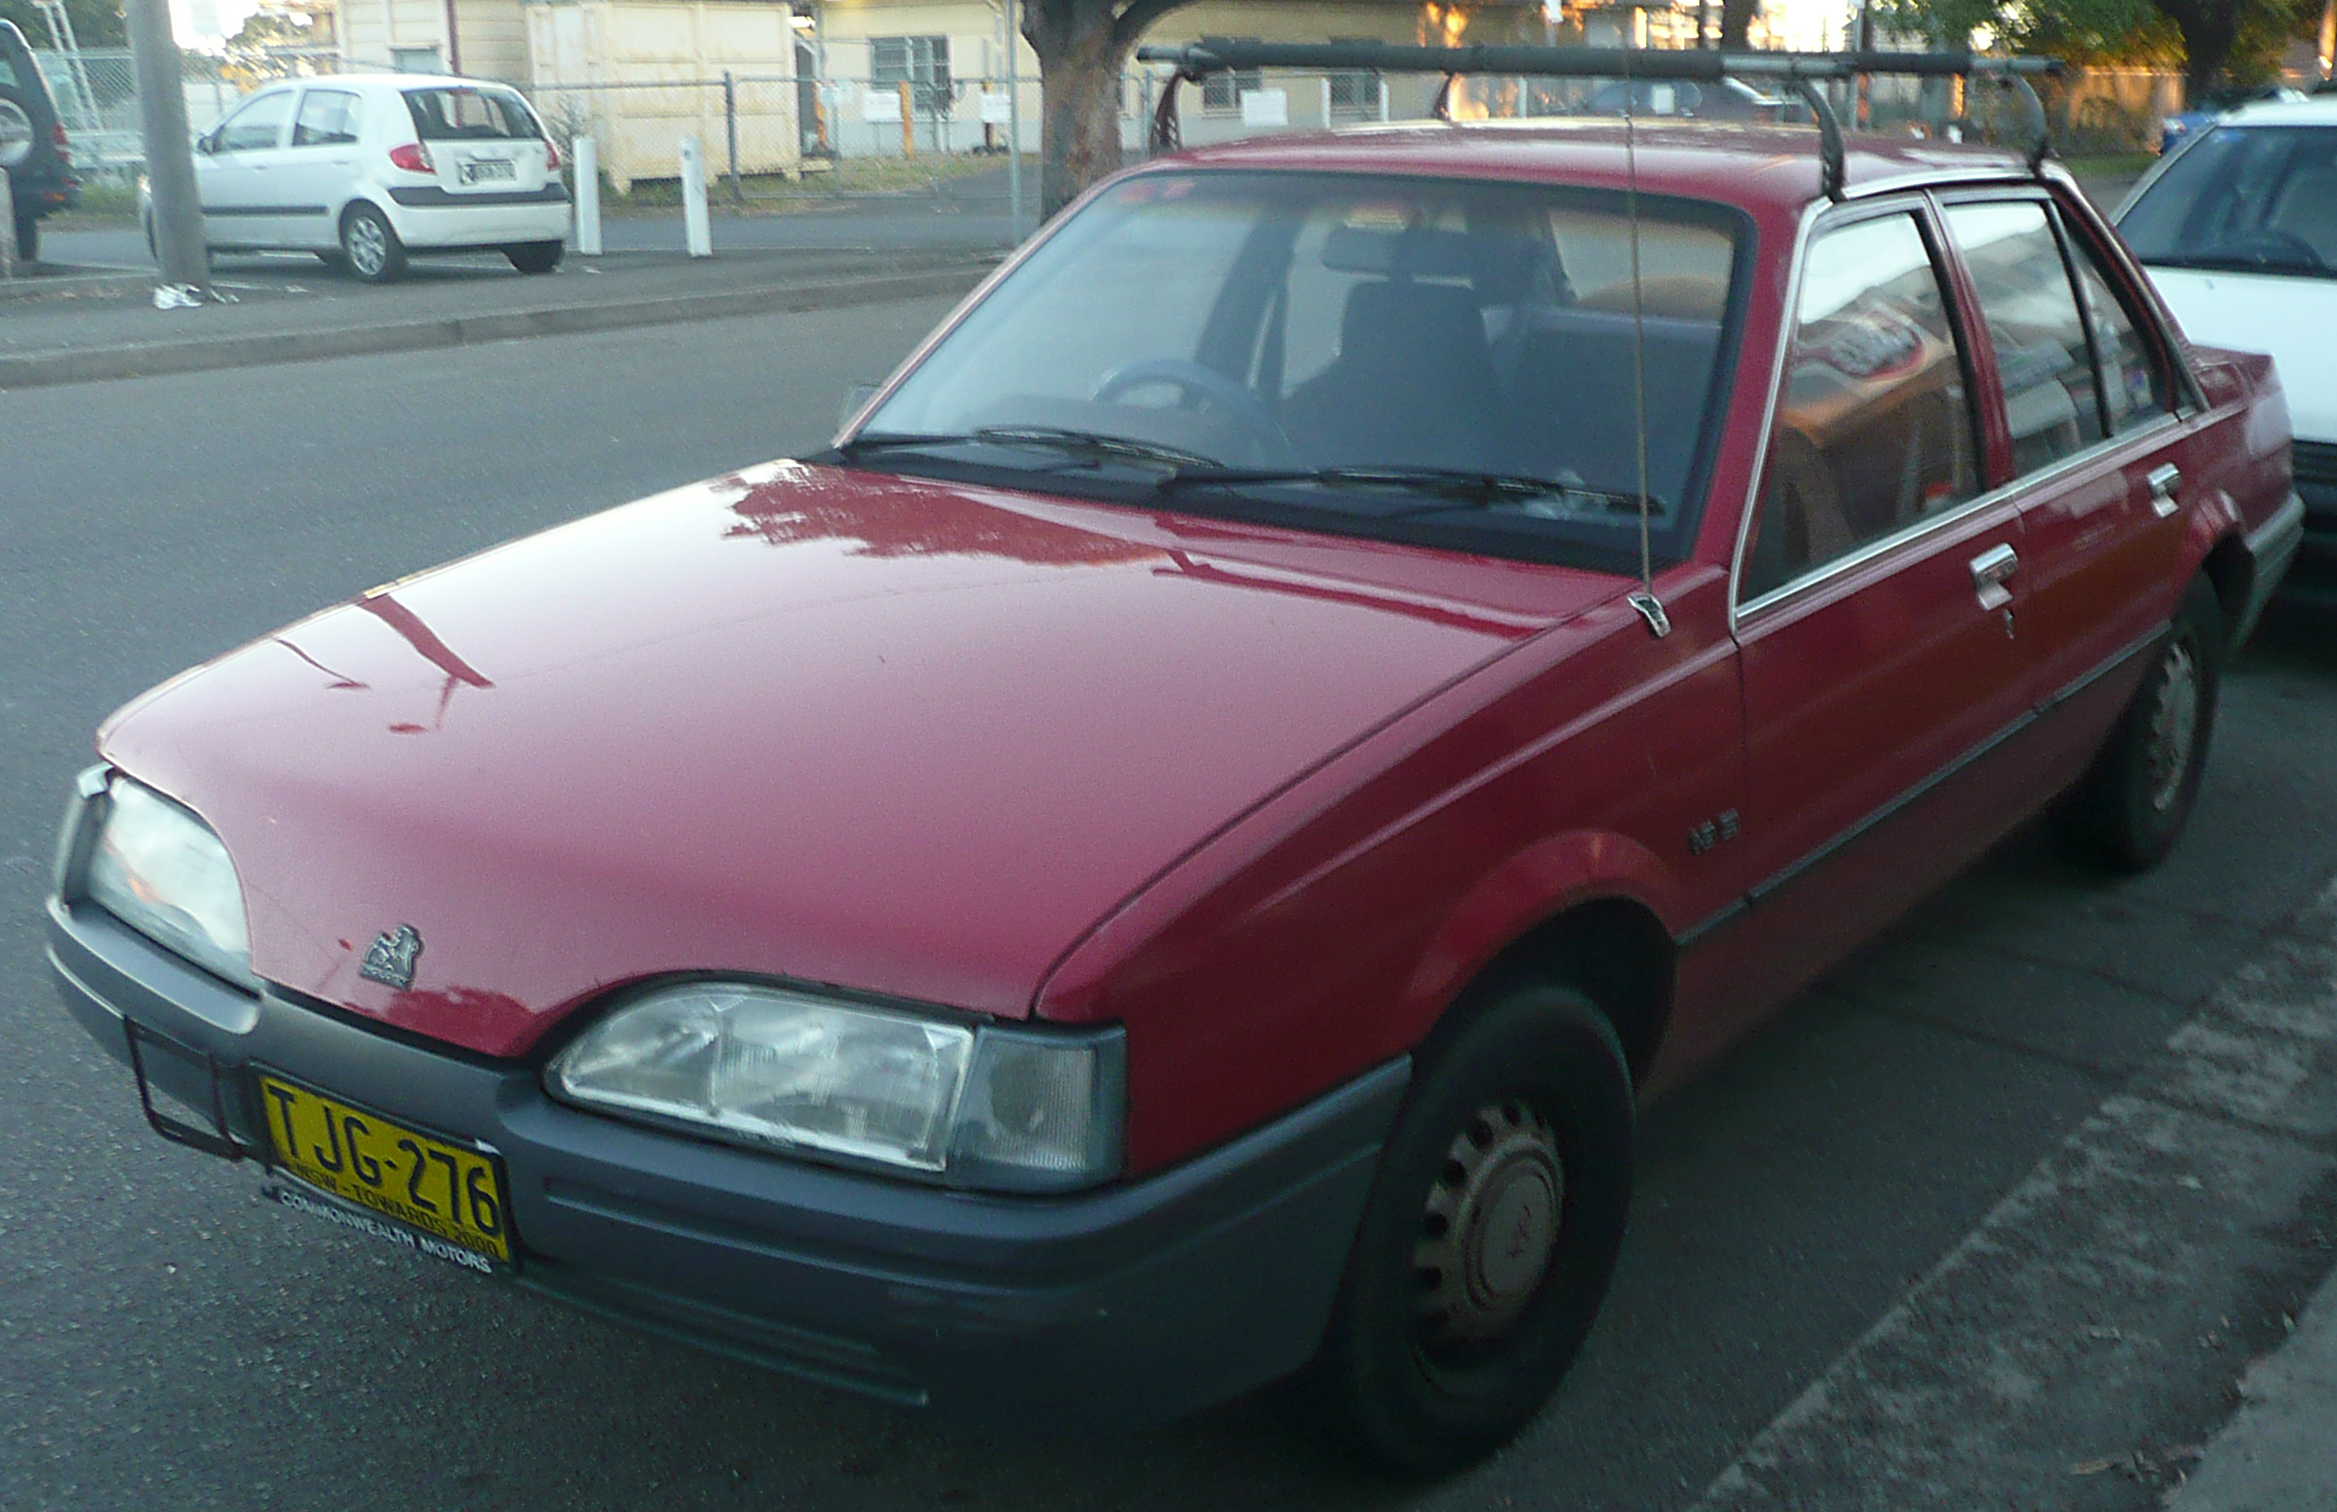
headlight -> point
(995, 1107)
(161, 871)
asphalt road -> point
(169, 1340)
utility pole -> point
(2328, 39)
(170, 158)
(1014, 120)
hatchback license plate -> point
(446, 1191)
(479, 170)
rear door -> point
(2097, 457)
(1879, 592)
(483, 141)
(243, 196)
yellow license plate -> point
(448, 1193)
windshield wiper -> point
(1558, 498)
(1094, 445)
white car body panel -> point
(2295, 319)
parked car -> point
(1167, 856)
(2239, 232)
(33, 146)
(365, 170)
(1714, 100)
(2213, 106)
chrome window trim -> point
(1915, 530)
(1818, 215)
(2188, 400)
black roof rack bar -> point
(1221, 55)
(1804, 71)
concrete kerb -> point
(153, 359)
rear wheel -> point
(536, 257)
(374, 253)
(2129, 809)
(1488, 1239)
(333, 260)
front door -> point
(237, 179)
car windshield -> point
(455, 114)
(1450, 362)
(2248, 198)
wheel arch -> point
(2231, 571)
(1614, 950)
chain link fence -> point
(96, 91)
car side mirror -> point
(207, 143)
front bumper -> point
(1129, 1305)
(2313, 577)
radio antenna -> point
(1649, 606)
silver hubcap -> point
(2174, 725)
(1491, 1225)
(368, 249)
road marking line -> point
(2084, 1320)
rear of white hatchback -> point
(467, 165)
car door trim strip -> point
(1795, 870)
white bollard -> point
(586, 151)
(694, 227)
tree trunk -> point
(1736, 22)
(2210, 28)
(1079, 79)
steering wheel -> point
(1196, 384)
(2263, 245)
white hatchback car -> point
(364, 169)
(2238, 229)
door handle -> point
(1991, 570)
(2163, 483)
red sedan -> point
(1169, 856)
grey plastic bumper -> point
(1129, 1305)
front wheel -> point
(1488, 1239)
(371, 246)
(2129, 809)
(536, 257)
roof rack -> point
(1803, 71)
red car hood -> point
(907, 737)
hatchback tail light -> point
(551, 156)
(57, 140)
(413, 157)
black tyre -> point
(536, 257)
(370, 246)
(2131, 806)
(28, 238)
(1488, 1239)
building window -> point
(1224, 91)
(422, 60)
(1354, 92)
(920, 62)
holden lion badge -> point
(390, 960)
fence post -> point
(587, 154)
(908, 123)
(738, 193)
(695, 231)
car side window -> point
(2134, 388)
(1874, 429)
(328, 118)
(258, 126)
(2043, 356)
